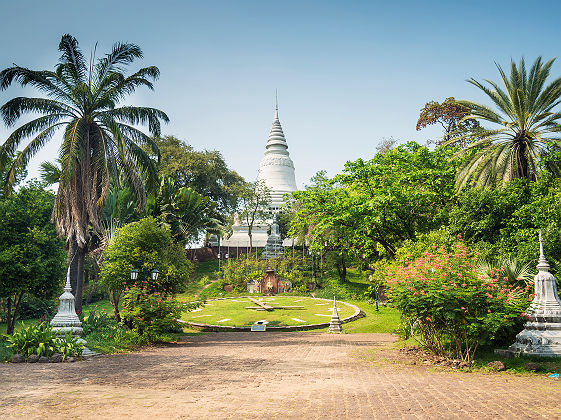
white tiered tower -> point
(276, 168)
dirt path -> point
(269, 375)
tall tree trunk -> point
(81, 256)
(342, 268)
(9, 327)
(73, 264)
(114, 299)
(13, 316)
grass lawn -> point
(232, 312)
(385, 320)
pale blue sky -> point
(348, 73)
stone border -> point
(207, 327)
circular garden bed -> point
(287, 313)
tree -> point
(20, 175)
(144, 246)
(204, 171)
(100, 139)
(451, 116)
(522, 129)
(255, 200)
(375, 205)
(186, 212)
(31, 254)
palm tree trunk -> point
(81, 256)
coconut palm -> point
(521, 131)
(99, 141)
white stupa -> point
(276, 168)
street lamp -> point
(154, 274)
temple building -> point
(276, 170)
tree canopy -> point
(31, 255)
(205, 171)
(375, 205)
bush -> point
(144, 246)
(35, 339)
(31, 308)
(453, 309)
(150, 314)
(69, 345)
(96, 321)
(39, 339)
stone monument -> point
(66, 319)
(542, 333)
(274, 247)
(335, 323)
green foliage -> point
(238, 272)
(144, 245)
(105, 335)
(204, 171)
(521, 132)
(96, 321)
(255, 199)
(20, 173)
(100, 138)
(5, 351)
(450, 308)
(69, 346)
(375, 205)
(150, 313)
(32, 257)
(427, 242)
(32, 308)
(503, 224)
(39, 339)
(185, 212)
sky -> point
(348, 73)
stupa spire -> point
(276, 105)
(542, 262)
(276, 168)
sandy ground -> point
(269, 375)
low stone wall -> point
(206, 327)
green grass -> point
(235, 314)
(516, 364)
(385, 320)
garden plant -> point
(451, 308)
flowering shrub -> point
(96, 321)
(150, 313)
(450, 307)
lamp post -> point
(154, 274)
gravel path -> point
(269, 375)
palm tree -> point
(99, 141)
(186, 212)
(524, 127)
